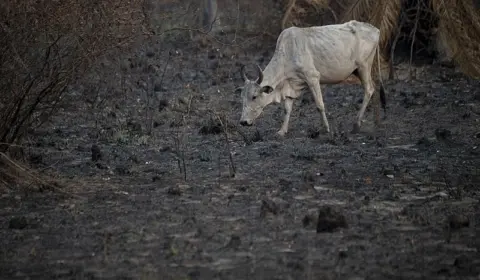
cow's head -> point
(254, 97)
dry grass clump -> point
(13, 174)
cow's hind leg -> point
(368, 88)
(288, 110)
(314, 85)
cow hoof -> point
(356, 129)
(331, 136)
(281, 133)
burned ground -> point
(399, 201)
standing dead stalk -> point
(224, 125)
(391, 72)
(412, 35)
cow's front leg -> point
(288, 110)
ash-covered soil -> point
(393, 202)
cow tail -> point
(382, 88)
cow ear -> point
(267, 89)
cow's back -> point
(333, 50)
(364, 29)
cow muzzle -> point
(245, 123)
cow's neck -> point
(273, 97)
(272, 75)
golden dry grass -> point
(13, 173)
(297, 10)
(458, 27)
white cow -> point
(309, 57)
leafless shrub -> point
(222, 119)
(48, 45)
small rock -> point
(213, 64)
(205, 156)
(284, 183)
(389, 173)
(162, 104)
(16, 152)
(174, 191)
(134, 126)
(308, 176)
(313, 133)
(443, 134)
(366, 200)
(330, 219)
(310, 220)
(457, 221)
(234, 242)
(165, 149)
(176, 123)
(18, 223)
(122, 170)
(96, 153)
(257, 137)
(183, 100)
(211, 128)
(36, 158)
(295, 265)
(83, 148)
(160, 87)
(134, 158)
(392, 196)
(444, 271)
(462, 262)
(424, 142)
(150, 54)
(268, 206)
(381, 142)
(100, 165)
(158, 123)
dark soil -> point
(403, 197)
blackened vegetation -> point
(330, 219)
(212, 127)
(417, 24)
(398, 201)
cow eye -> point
(254, 97)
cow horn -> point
(242, 71)
(260, 75)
